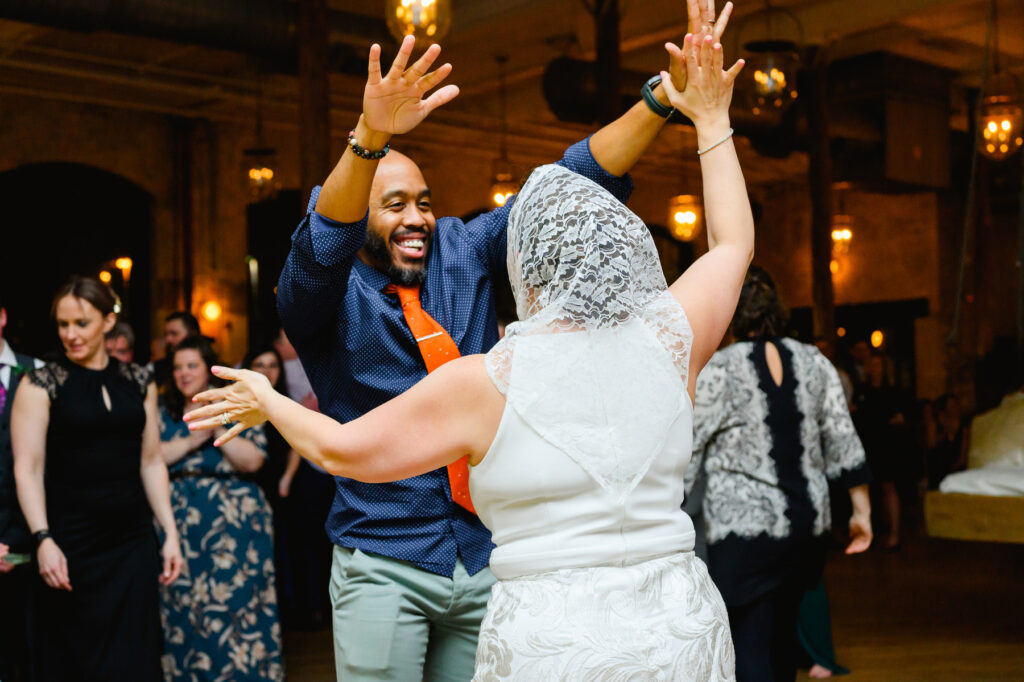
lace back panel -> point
(598, 363)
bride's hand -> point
(242, 402)
(702, 22)
(708, 93)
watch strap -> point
(41, 535)
(647, 92)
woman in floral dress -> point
(220, 616)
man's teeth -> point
(413, 243)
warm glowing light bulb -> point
(123, 263)
(877, 339)
(105, 276)
(211, 311)
(841, 332)
(1005, 125)
(992, 126)
(834, 267)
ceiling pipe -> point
(256, 27)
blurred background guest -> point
(276, 475)
(89, 422)
(221, 614)
(948, 453)
(178, 326)
(312, 493)
(121, 342)
(15, 541)
(771, 427)
(879, 418)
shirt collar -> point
(373, 277)
(7, 354)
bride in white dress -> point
(578, 424)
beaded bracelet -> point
(702, 152)
(363, 152)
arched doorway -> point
(60, 219)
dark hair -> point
(122, 329)
(187, 319)
(282, 384)
(174, 400)
(90, 289)
(759, 313)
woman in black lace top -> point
(90, 478)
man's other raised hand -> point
(396, 102)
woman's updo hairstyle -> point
(89, 289)
(759, 313)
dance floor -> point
(937, 610)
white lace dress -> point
(581, 488)
(590, 588)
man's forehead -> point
(399, 176)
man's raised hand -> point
(394, 103)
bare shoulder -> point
(475, 397)
(468, 375)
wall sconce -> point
(426, 20)
(124, 264)
(211, 311)
(685, 217)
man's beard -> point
(377, 249)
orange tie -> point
(437, 348)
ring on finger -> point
(224, 419)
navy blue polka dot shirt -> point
(358, 351)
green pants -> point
(395, 621)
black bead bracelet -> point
(363, 152)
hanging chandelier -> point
(427, 20)
(770, 39)
(258, 162)
(1000, 120)
(503, 173)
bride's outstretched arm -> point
(709, 289)
(453, 412)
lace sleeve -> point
(50, 377)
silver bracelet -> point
(702, 152)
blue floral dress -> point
(220, 616)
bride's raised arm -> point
(709, 288)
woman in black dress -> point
(90, 477)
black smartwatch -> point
(647, 92)
(41, 535)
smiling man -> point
(375, 293)
(400, 224)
